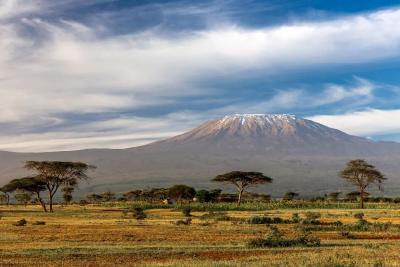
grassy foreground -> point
(104, 236)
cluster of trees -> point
(50, 176)
(47, 176)
(179, 193)
(357, 172)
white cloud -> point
(364, 123)
(66, 67)
(120, 132)
(13, 8)
(360, 92)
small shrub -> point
(312, 218)
(259, 220)
(39, 223)
(296, 218)
(186, 211)
(306, 239)
(359, 215)
(21, 222)
(186, 221)
(337, 223)
(347, 234)
(381, 226)
(266, 220)
(137, 213)
(217, 216)
(275, 239)
(310, 215)
(361, 225)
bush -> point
(21, 222)
(312, 218)
(137, 213)
(361, 225)
(275, 239)
(186, 211)
(381, 226)
(359, 215)
(296, 218)
(217, 216)
(186, 221)
(347, 234)
(266, 220)
(337, 223)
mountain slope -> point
(300, 154)
(285, 135)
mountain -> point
(281, 134)
(300, 155)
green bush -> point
(275, 239)
(186, 211)
(359, 215)
(296, 218)
(216, 216)
(266, 220)
(137, 213)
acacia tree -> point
(133, 195)
(6, 191)
(67, 193)
(58, 173)
(334, 196)
(289, 196)
(362, 174)
(242, 180)
(181, 192)
(32, 184)
(108, 196)
(22, 196)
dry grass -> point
(97, 236)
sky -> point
(114, 74)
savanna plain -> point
(263, 234)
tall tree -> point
(32, 184)
(289, 196)
(6, 191)
(94, 198)
(242, 180)
(181, 192)
(108, 195)
(362, 174)
(133, 195)
(58, 173)
(67, 193)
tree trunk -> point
(50, 202)
(362, 199)
(41, 202)
(240, 196)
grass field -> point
(105, 236)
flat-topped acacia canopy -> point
(242, 180)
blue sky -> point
(106, 73)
